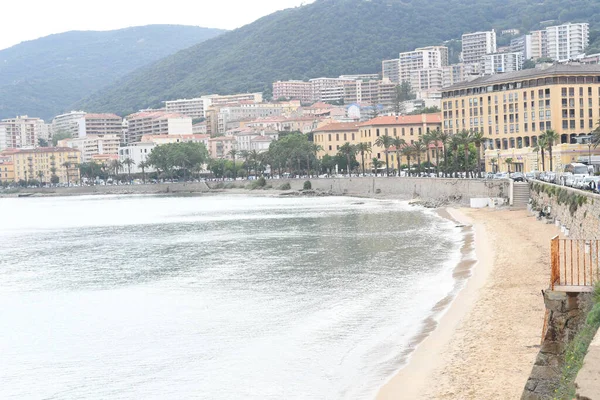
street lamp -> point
(498, 162)
(589, 152)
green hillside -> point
(46, 76)
(325, 38)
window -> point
(581, 124)
(329, 147)
(589, 91)
(412, 131)
(580, 91)
(404, 132)
(571, 92)
(345, 139)
(524, 95)
(541, 126)
(353, 136)
(337, 137)
(395, 133)
(565, 124)
(533, 126)
(563, 92)
(377, 132)
(526, 126)
(330, 138)
(572, 124)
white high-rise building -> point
(156, 123)
(476, 45)
(567, 41)
(502, 62)
(522, 45)
(328, 89)
(539, 44)
(193, 108)
(70, 123)
(22, 132)
(390, 69)
(422, 58)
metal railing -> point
(575, 262)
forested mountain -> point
(44, 77)
(326, 38)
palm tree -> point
(509, 162)
(552, 137)
(493, 161)
(455, 142)
(67, 165)
(245, 154)
(464, 137)
(376, 164)
(385, 141)
(596, 136)
(233, 153)
(542, 144)
(363, 148)
(40, 174)
(419, 148)
(116, 166)
(427, 139)
(408, 152)
(445, 138)
(313, 150)
(435, 137)
(348, 150)
(398, 145)
(143, 165)
(129, 162)
(478, 139)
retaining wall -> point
(576, 210)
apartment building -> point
(499, 63)
(361, 77)
(539, 44)
(156, 123)
(7, 169)
(220, 147)
(328, 89)
(422, 58)
(567, 41)
(332, 136)
(22, 132)
(426, 80)
(68, 123)
(137, 152)
(102, 124)
(522, 44)
(453, 74)
(92, 146)
(220, 100)
(293, 90)
(193, 108)
(43, 162)
(411, 128)
(476, 45)
(390, 69)
(168, 139)
(513, 109)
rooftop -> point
(339, 127)
(404, 120)
(554, 70)
(102, 116)
(40, 150)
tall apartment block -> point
(390, 69)
(293, 90)
(193, 108)
(22, 132)
(68, 123)
(156, 123)
(422, 58)
(539, 44)
(476, 45)
(565, 42)
(522, 45)
(498, 63)
(328, 89)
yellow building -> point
(512, 110)
(7, 169)
(332, 136)
(43, 162)
(410, 128)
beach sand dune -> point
(485, 345)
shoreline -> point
(468, 275)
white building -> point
(68, 123)
(476, 45)
(93, 145)
(453, 74)
(390, 69)
(138, 152)
(502, 62)
(522, 45)
(566, 42)
(328, 89)
(422, 58)
(156, 123)
(539, 44)
(425, 80)
(361, 77)
(22, 132)
(193, 108)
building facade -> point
(91, 146)
(476, 45)
(68, 123)
(566, 42)
(44, 162)
(522, 45)
(332, 136)
(293, 90)
(102, 124)
(422, 58)
(499, 63)
(390, 69)
(514, 109)
(193, 108)
(22, 132)
(137, 152)
(539, 44)
(156, 123)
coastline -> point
(487, 339)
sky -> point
(31, 19)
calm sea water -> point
(214, 297)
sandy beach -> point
(485, 344)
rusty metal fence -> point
(575, 262)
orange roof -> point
(102, 116)
(338, 127)
(405, 120)
(319, 104)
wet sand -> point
(486, 342)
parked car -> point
(578, 182)
(489, 175)
(591, 183)
(501, 175)
(517, 177)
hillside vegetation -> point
(325, 38)
(44, 77)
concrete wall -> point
(577, 210)
(199, 187)
(455, 190)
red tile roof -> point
(338, 127)
(405, 120)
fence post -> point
(555, 262)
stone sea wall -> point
(576, 210)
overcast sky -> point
(31, 19)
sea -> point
(215, 296)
